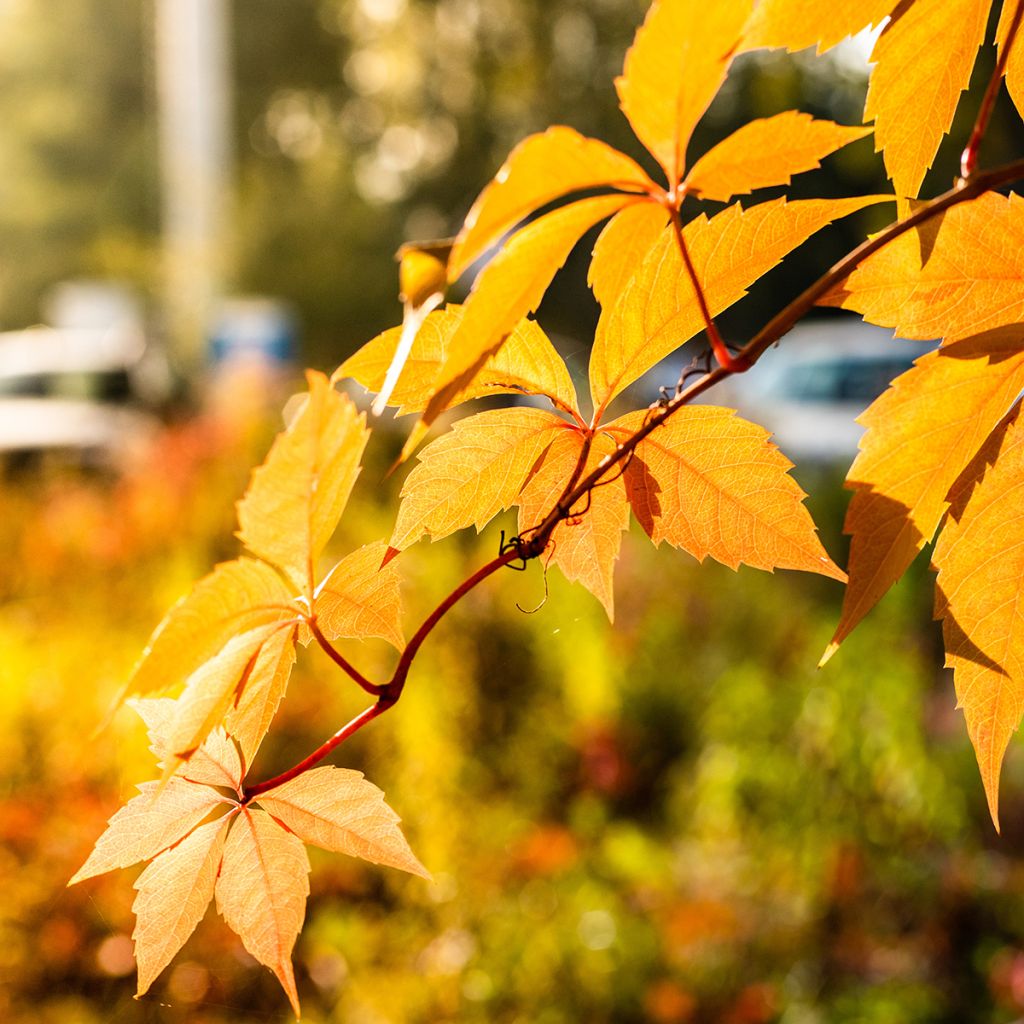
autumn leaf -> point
(586, 545)
(767, 152)
(540, 169)
(261, 892)
(511, 286)
(296, 497)
(711, 483)
(173, 894)
(658, 310)
(971, 281)
(471, 474)
(236, 597)
(980, 561)
(676, 65)
(337, 809)
(359, 599)
(621, 247)
(526, 364)
(921, 433)
(1015, 63)
(797, 24)
(148, 824)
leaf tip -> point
(829, 651)
(389, 555)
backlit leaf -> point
(337, 809)
(797, 24)
(980, 562)
(472, 473)
(767, 152)
(509, 288)
(621, 247)
(921, 433)
(658, 310)
(971, 281)
(586, 545)
(148, 824)
(215, 763)
(540, 169)
(173, 894)
(297, 496)
(359, 599)
(262, 889)
(249, 718)
(235, 597)
(711, 483)
(526, 363)
(924, 59)
(676, 65)
(1015, 64)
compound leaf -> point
(337, 809)
(261, 891)
(711, 483)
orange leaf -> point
(296, 497)
(262, 889)
(250, 717)
(658, 310)
(971, 280)
(215, 763)
(148, 824)
(527, 362)
(586, 545)
(712, 484)
(767, 152)
(797, 24)
(237, 596)
(173, 894)
(540, 169)
(924, 60)
(471, 474)
(337, 809)
(359, 599)
(210, 692)
(621, 247)
(921, 434)
(509, 288)
(676, 64)
(1015, 65)
(980, 562)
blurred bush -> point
(673, 820)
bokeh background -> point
(674, 820)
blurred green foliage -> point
(675, 820)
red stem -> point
(347, 667)
(969, 158)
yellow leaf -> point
(173, 894)
(586, 545)
(621, 247)
(337, 809)
(712, 484)
(148, 824)
(678, 61)
(210, 692)
(767, 152)
(540, 169)
(797, 24)
(924, 60)
(526, 363)
(921, 434)
(658, 310)
(262, 889)
(249, 718)
(471, 474)
(359, 599)
(1015, 65)
(973, 279)
(215, 763)
(980, 562)
(509, 288)
(237, 596)
(296, 497)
